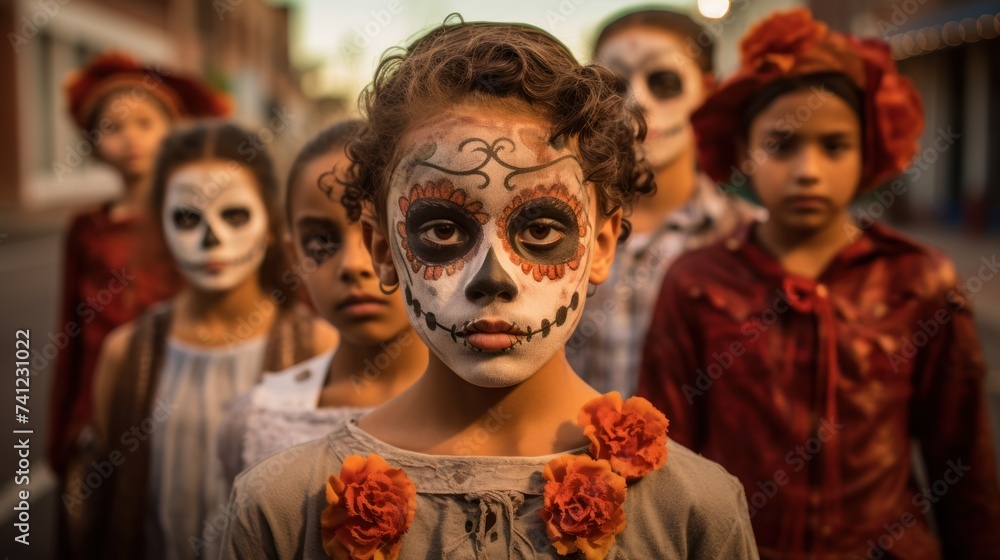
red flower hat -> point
(790, 44)
(182, 96)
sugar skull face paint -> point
(215, 223)
(665, 81)
(491, 229)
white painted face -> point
(215, 223)
(665, 81)
(492, 231)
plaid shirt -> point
(607, 345)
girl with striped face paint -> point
(493, 230)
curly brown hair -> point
(512, 65)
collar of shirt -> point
(707, 203)
(866, 242)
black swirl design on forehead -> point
(491, 152)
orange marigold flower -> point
(582, 505)
(631, 436)
(370, 507)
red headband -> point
(181, 96)
(791, 44)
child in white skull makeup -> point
(490, 181)
(125, 109)
(666, 58)
(175, 370)
(379, 354)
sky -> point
(342, 39)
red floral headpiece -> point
(181, 96)
(790, 44)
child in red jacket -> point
(804, 353)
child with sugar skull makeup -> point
(805, 353)
(116, 266)
(379, 354)
(490, 180)
(666, 59)
(165, 381)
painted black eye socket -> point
(237, 216)
(186, 218)
(664, 84)
(544, 231)
(440, 231)
(320, 246)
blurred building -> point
(239, 46)
(951, 50)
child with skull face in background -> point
(666, 59)
(116, 266)
(174, 371)
(490, 180)
(378, 355)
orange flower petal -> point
(363, 483)
(594, 523)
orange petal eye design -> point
(545, 206)
(440, 226)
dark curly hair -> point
(330, 138)
(509, 64)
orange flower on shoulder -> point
(780, 39)
(582, 505)
(632, 435)
(370, 507)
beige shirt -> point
(483, 507)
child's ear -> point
(604, 247)
(378, 245)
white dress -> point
(280, 412)
(187, 486)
